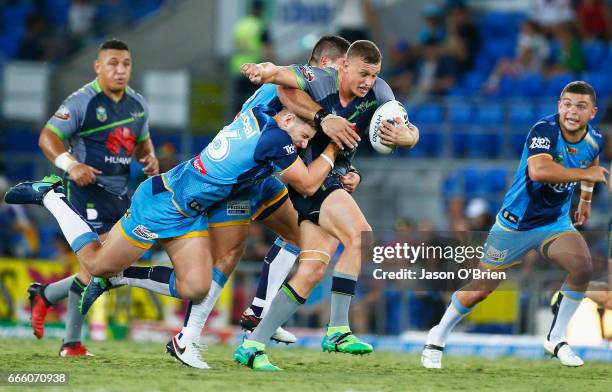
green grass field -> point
(129, 366)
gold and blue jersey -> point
(531, 204)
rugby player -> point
(331, 215)
(105, 123)
(560, 151)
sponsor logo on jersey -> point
(238, 207)
(141, 231)
(562, 188)
(101, 114)
(496, 255)
(62, 113)
(307, 73)
(541, 142)
(571, 150)
(290, 149)
(509, 216)
(198, 165)
(118, 138)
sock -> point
(74, 319)
(283, 256)
(158, 279)
(198, 312)
(78, 233)
(454, 313)
(284, 305)
(343, 290)
(569, 300)
(57, 290)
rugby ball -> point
(387, 111)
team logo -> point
(540, 143)
(62, 113)
(238, 207)
(307, 73)
(289, 148)
(120, 137)
(142, 232)
(496, 255)
(101, 114)
(570, 150)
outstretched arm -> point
(269, 73)
(542, 168)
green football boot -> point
(251, 354)
(33, 192)
(342, 340)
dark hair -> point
(113, 43)
(330, 46)
(366, 51)
(580, 87)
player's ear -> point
(289, 118)
(593, 113)
(96, 66)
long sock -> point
(569, 300)
(276, 266)
(343, 290)
(284, 305)
(78, 233)
(74, 318)
(454, 313)
(157, 278)
(198, 312)
(58, 290)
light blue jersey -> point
(530, 204)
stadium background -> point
(458, 70)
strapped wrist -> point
(319, 116)
(65, 162)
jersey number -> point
(219, 148)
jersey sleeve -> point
(143, 133)
(382, 91)
(317, 82)
(276, 149)
(542, 140)
(69, 117)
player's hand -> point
(252, 71)
(582, 214)
(350, 181)
(595, 174)
(405, 135)
(151, 165)
(83, 174)
(341, 131)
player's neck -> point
(114, 95)
(573, 137)
(344, 93)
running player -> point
(105, 123)
(560, 151)
(331, 215)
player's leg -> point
(341, 217)
(317, 245)
(601, 292)
(570, 252)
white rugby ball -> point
(387, 111)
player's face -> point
(575, 111)
(360, 76)
(301, 133)
(114, 68)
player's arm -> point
(351, 180)
(54, 149)
(542, 168)
(145, 153)
(583, 211)
(340, 131)
(308, 179)
(270, 73)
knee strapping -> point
(315, 255)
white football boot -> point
(431, 357)
(189, 352)
(281, 335)
(563, 351)
(248, 322)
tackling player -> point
(561, 150)
(331, 215)
(105, 123)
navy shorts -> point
(100, 208)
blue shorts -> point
(505, 247)
(153, 215)
(98, 207)
(254, 203)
